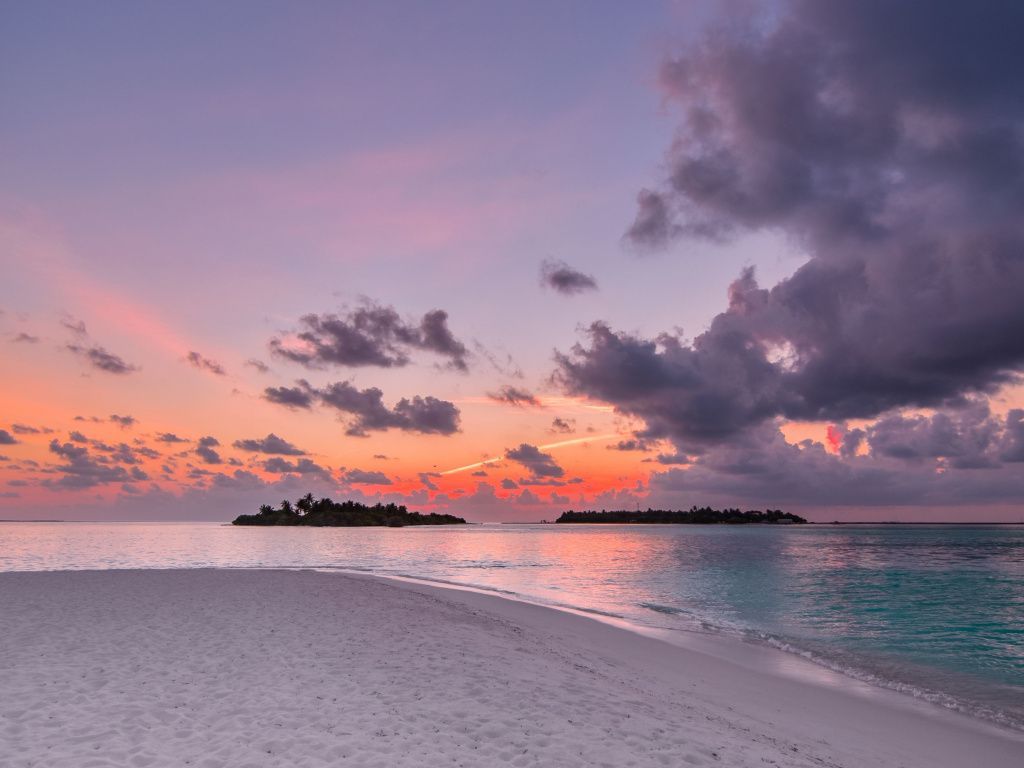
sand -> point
(297, 668)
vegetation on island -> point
(327, 513)
(693, 516)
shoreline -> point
(246, 667)
(801, 662)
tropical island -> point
(324, 512)
(693, 516)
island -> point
(693, 516)
(327, 513)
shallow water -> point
(935, 611)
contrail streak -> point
(549, 446)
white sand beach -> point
(236, 668)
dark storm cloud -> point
(965, 437)
(271, 444)
(6, 438)
(101, 359)
(370, 335)
(197, 360)
(1012, 445)
(891, 150)
(363, 477)
(562, 278)
(764, 469)
(515, 396)
(539, 464)
(205, 450)
(123, 421)
(426, 415)
(300, 396)
(671, 458)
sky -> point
(503, 260)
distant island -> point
(693, 516)
(327, 513)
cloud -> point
(205, 450)
(197, 360)
(258, 365)
(81, 470)
(563, 426)
(630, 445)
(101, 359)
(895, 166)
(671, 458)
(509, 484)
(305, 467)
(539, 464)
(427, 479)
(1012, 443)
(964, 438)
(562, 278)
(271, 444)
(370, 335)
(97, 356)
(25, 338)
(362, 477)
(25, 429)
(6, 438)
(77, 437)
(653, 226)
(506, 367)
(515, 396)
(366, 408)
(766, 470)
(124, 422)
(170, 437)
(301, 396)
(426, 415)
(76, 326)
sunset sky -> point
(506, 259)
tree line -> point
(324, 512)
(694, 516)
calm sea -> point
(934, 611)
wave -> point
(860, 671)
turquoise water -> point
(934, 611)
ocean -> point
(935, 611)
